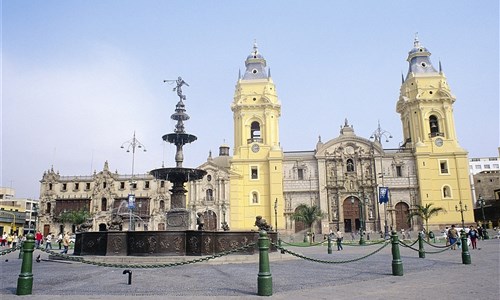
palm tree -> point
(75, 217)
(426, 212)
(308, 215)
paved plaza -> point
(438, 276)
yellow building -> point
(12, 212)
(426, 108)
(256, 167)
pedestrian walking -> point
(473, 235)
(340, 237)
(38, 239)
(453, 237)
(480, 232)
(65, 243)
(59, 240)
(48, 241)
(15, 240)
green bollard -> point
(25, 280)
(264, 279)
(421, 251)
(465, 250)
(329, 244)
(397, 264)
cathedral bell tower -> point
(426, 108)
(256, 167)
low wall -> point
(164, 243)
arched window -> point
(434, 125)
(104, 204)
(48, 207)
(50, 186)
(350, 165)
(255, 131)
(210, 195)
(162, 205)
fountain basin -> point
(166, 243)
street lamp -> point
(224, 209)
(276, 215)
(461, 210)
(377, 135)
(35, 213)
(362, 228)
(131, 145)
(481, 203)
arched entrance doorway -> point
(299, 225)
(102, 227)
(210, 220)
(402, 211)
(351, 214)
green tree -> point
(75, 217)
(426, 212)
(308, 214)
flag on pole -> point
(131, 201)
(383, 194)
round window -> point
(209, 177)
(255, 71)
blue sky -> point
(78, 77)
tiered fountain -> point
(178, 215)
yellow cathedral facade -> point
(342, 176)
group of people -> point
(338, 237)
(473, 234)
(10, 240)
(62, 240)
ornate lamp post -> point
(224, 210)
(276, 215)
(132, 145)
(362, 228)
(377, 135)
(481, 203)
(461, 210)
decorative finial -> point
(255, 47)
(416, 42)
(402, 78)
(345, 123)
(319, 138)
(239, 74)
(269, 72)
(440, 67)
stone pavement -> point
(438, 276)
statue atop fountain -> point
(178, 215)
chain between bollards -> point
(465, 249)
(397, 264)
(421, 251)
(264, 278)
(25, 280)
